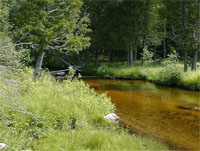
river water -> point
(171, 115)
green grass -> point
(68, 115)
(171, 75)
(95, 139)
(191, 80)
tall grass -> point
(171, 75)
(68, 115)
(96, 139)
(191, 80)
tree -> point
(104, 17)
(183, 27)
(130, 25)
(196, 33)
(50, 25)
(152, 21)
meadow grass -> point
(171, 75)
(65, 115)
(96, 139)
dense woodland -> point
(122, 29)
(112, 30)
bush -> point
(147, 55)
(171, 73)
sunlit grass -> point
(96, 139)
(173, 75)
(191, 80)
(68, 115)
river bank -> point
(169, 76)
(167, 114)
(64, 115)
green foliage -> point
(96, 139)
(71, 73)
(168, 73)
(172, 59)
(52, 25)
(4, 12)
(53, 105)
(147, 55)
(171, 73)
(46, 25)
(65, 115)
(191, 80)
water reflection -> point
(155, 110)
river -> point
(171, 115)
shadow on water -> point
(169, 114)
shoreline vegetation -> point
(171, 75)
(68, 115)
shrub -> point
(147, 55)
(171, 73)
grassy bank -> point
(65, 115)
(171, 75)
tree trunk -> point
(131, 54)
(97, 58)
(164, 49)
(155, 53)
(194, 61)
(91, 56)
(184, 27)
(135, 55)
(111, 54)
(38, 65)
(128, 58)
(198, 56)
(87, 58)
(131, 57)
(185, 60)
(144, 44)
(164, 45)
(135, 51)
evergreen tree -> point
(50, 25)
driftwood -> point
(65, 71)
(58, 71)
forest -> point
(50, 51)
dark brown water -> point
(168, 114)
